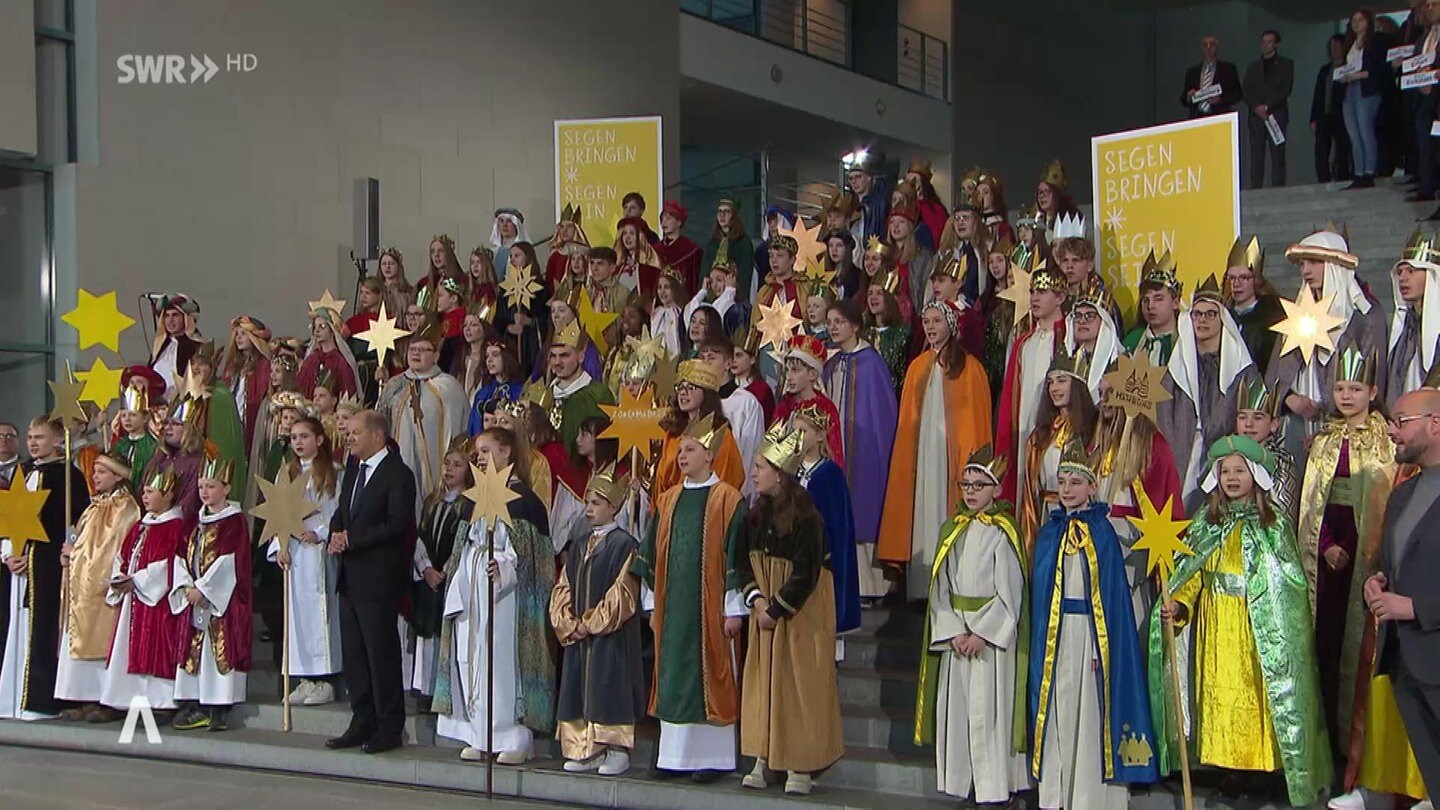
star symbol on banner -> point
(20, 513)
(572, 174)
(777, 323)
(284, 505)
(1160, 536)
(328, 301)
(491, 495)
(634, 424)
(1115, 219)
(98, 320)
(1308, 324)
(807, 238)
(595, 322)
(1018, 293)
(102, 384)
(381, 335)
(67, 402)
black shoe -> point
(352, 738)
(380, 744)
(104, 714)
(1362, 181)
(1416, 196)
(665, 774)
(706, 777)
(220, 719)
(191, 719)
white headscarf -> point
(1262, 476)
(1107, 345)
(1429, 321)
(328, 318)
(1185, 362)
(496, 243)
(1331, 248)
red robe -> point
(835, 437)
(1007, 417)
(1161, 482)
(934, 215)
(207, 543)
(684, 255)
(453, 321)
(256, 386)
(335, 363)
(361, 321)
(646, 276)
(564, 472)
(555, 269)
(154, 631)
(770, 289)
(766, 395)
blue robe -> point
(831, 495)
(1124, 695)
(488, 391)
(859, 384)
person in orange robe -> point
(944, 417)
(697, 395)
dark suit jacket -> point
(1328, 99)
(1273, 91)
(1226, 75)
(1416, 642)
(373, 567)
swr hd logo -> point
(176, 69)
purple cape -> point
(859, 384)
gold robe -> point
(100, 532)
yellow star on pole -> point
(98, 320)
(1018, 293)
(67, 402)
(491, 495)
(20, 514)
(284, 505)
(634, 424)
(1160, 536)
(663, 376)
(647, 346)
(1136, 385)
(595, 322)
(328, 301)
(777, 323)
(1308, 324)
(808, 240)
(381, 335)
(519, 287)
(102, 383)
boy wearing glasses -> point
(1252, 300)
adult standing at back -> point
(1267, 87)
(374, 520)
(1327, 120)
(1365, 66)
(1211, 72)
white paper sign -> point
(1277, 135)
(1343, 71)
(1399, 52)
(1207, 93)
(1435, 129)
(1423, 79)
(1420, 62)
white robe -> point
(747, 421)
(975, 701)
(932, 488)
(152, 584)
(444, 414)
(665, 322)
(467, 599)
(17, 636)
(313, 631)
(217, 584)
(1035, 356)
(420, 659)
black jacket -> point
(1226, 75)
(1274, 90)
(381, 527)
(1416, 643)
(1329, 96)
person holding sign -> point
(1362, 75)
(1211, 87)
(1267, 88)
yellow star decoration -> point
(1160, 536)
(1018, 292)
(1136, 385)
(808, 240)
(777, 323)
(98, 320)
(491, 495)
(595, 322)
(663, 377)
(102, 384)
(647, 346)
(284, 505)
(328, 301)
(519, 287)
(67, 403)
(633, 424)
(1308, 324)
(20, 514)
(381, 335)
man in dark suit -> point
(375, 519)
(1268, 84)
(1211, 72)
(1403, 596)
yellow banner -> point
(600, 160)
(1173, 187)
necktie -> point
(1207, 78)
(359, 485)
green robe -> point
(1136, 337)
(1279, 609)
(579, 406)
(137, 453)
(223, 427)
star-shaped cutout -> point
(777, 323)
(647, 346)
(1308, 324)
(98, 320)
(381, 335)
(67, 403)
(284, 505)
(491, 495)
(1136, 385)
(102, 384)
(519, 287)
(1115, 219)
(595, 322)
(666, 367)
(808, 240)
(1160, 536)
(1018, 293)
(20, 513)
(328, 301)
(634, 424)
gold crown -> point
(444, 239)
(349, 403)
(1046, 278)
(1135, 751)
(704, 432)
(135, 398)
(786, 243)
(1076, 365)
(325, 378)
(514, 408)
(955, 263)
(570, 213)
(1247, 254)
(813, 414)
(1027, 215)
(610, 485)
(1074, 459)
(879, 248)
(1161, 272)
(219, 469)
(1093, 295)
(638, 368)
(1422, 247)
(162, 481)
(392, 252)
(783, 448)
(1254, 396)
(748, 340)
(972, 176)
(454, 285)
(984, 461)
(570, 335)
(1209, 290)
(1357, 367)
(1054, 174)
(699, 374)
(889, 282)
(539, 393)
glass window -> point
(25, 285)
(53, 14)
(52, 98)
(22, 377)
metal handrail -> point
(799, 25)
(923, 63)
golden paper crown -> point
(1247, 254)
(955, 263)
(1027, 215)
(1254, 396)
(699, 374)
(986, 463)
(1357, 367)
(392, 252)
(349, 403)
(786, 243)
(972, 176)
(325, 378)
(570, 213)
(704, 432)
(539, 393)
(135, 398)
(1054, 174)
(1093, 295)
(748, 340)
(610, 485)
(1422, 248)
(570, 335)
(162, 481)
(889, 282)
(783, 448)
(444, 239)
(817, 416)
(638, 368)
(1074, 459)
(1209, 290)
(514, 408)
(1161, 272)
(877, 247)
(1077, 365)
(1045, 278)
(218, 469)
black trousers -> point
(370, 645)
(1332, 139)
(1260, 143)
(1420, 709)
(1423, 115)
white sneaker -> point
(299, 693)
(513, 757)
(1425, 805)
(583, 765)
(617, 761)
(1359, 799)
(756, 778)
(321, 692)
(798, 783)
(471, 754)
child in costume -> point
(440, 519)
(970, 702)
(211, 596)
(825, 482)
(1089, 714)
(593, 610)
(1253, 686)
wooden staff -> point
(65, 580)
(1176, 706)
(285, 634)
(490, 666)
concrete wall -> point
(239, 191)
(17, 65)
